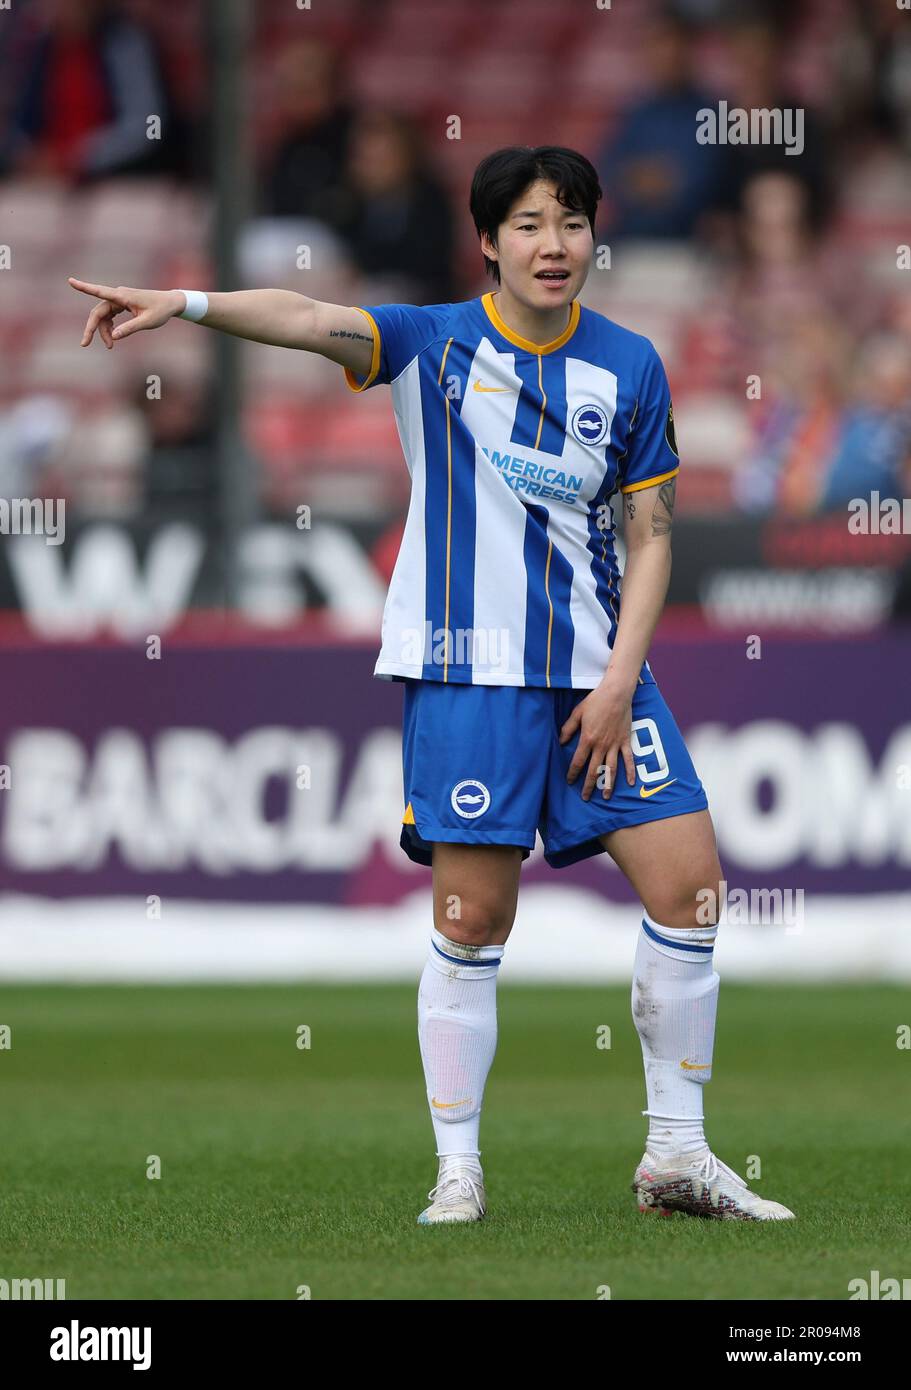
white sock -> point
(675, 1001)
(457, 1032)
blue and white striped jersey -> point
(507, 573)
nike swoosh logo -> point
(695, 1066)
(449, 1104)
(479, 387)
(650, 791)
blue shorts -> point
(483, 765)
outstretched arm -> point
(280, 317)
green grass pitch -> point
(284, 1167)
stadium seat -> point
(36, 214)
(56, 363)
(127, 212)
(712, 430)
(280, 369)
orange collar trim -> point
(525, 343)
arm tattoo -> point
(345, 333)
(663, 514)
(630, 508)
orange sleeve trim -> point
(350, 377)
(651, 482)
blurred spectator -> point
(872, 79)
(32, 434)
(831, 428)
(797, 420)
(658, 181)
(269, 249)
(758, 52)
(90, 81)
(775, 273)
(874, 449)
(97, 465)
(306, 173)
(787, 271)
(783, 291)
(400, 221)
(179, 466)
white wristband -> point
(197, 305)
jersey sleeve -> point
(399, 331)
(651, 455)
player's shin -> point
(457, 1032)
(674, 1002)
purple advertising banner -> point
(273, 773)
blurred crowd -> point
(810, 301)
(787, 333)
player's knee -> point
(473, 921)
(693, 899)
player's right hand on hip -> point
(149, 308)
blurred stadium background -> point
(153, 826)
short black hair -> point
(502, 176)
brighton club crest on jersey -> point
(590, 425)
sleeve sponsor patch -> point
(670, 433)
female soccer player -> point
(526, 683)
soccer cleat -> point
(459, 1194)
(702, 1186)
